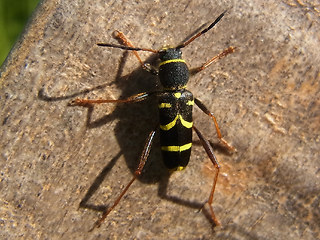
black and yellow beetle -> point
(175, 104)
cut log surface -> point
(62, 166)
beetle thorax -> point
(173, 71)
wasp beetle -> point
(175, 104)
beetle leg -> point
(135, 98)
(137, 173)
(206, 145)
(212, 60)
(206, 111)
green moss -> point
(14, 15)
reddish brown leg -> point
(135, 98)
(206, 145)
(206, 111)
(127, 43)
(214, 59)
(137, 173)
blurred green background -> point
(14, 15)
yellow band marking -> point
(190, 102)
(169, 125)
(174, 121)
(180, 168)
(171, 61)
(165, 105)
(185, 123)
(177, 94)
(176, 148)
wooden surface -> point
(266, 97)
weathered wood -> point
(266, 98)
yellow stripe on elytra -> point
(174, 121)
(190, 102)
(176, 148)
(180, 168)
(171, 61)
(185, 123)
(169, 125)
(165, 105)
(177, 94)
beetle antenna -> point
(126, 47)
(182, 45)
